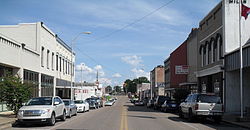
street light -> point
(71, 77)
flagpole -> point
(241, 63)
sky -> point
(128, 37)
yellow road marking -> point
(124, 120)
(121, 127)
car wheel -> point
(180, 113)
(70, 114)
(190, 115)
(217, 119)
(83, 110)
(52, 120)
(63, 118)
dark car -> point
(159, 101)
(150, 103)
(92, 103)
(170, 105)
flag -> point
(245, 11)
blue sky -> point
(129, 53)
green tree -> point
(14, 92)
(180, 94)
(108, 89)
(118, 89)
(131, 85)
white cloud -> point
(88, 73)
(116, 75)
(98, 67)
(140, 73)
(105, 81)
(133, 60)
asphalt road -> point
(125, 116)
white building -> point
(36, 54)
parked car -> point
(99, 101)
(202, 105)
(42, 110)
(109, 102)
(93, 104)
(134, 99)
(145, 101)
(139, 103)
(82, 106)
(169, 105)
(159, 101)
(150, 103)
(71, 107)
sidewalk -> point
(6, 119)
(232, 119)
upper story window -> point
(60, 64)
(52, 61)
(57, 62)
(42, 57)
(47, 59)
(219, 43)
(63, 65)
(214, 48)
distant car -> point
(150, 103)
(82, 106)
(94, 102)
(109, 103)
(70, 107)
(202, 105)
(169, 105)
(139, 103)
(159, 101)
(42, 110)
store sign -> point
(181, 69)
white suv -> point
(202, 105)
(42, 110)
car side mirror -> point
(56, 103)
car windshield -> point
(78, 102)
(40, 101)
(66, 102)
(209, 99)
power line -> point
(132, 23)
(119, 30)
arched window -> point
(204, 55)
(201, 53)
(214, 48)
(209, 54)
(219, 42)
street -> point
(123, 115)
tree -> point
(14, 92)
(108, 89)
(118, 89)
(131, 85)
(180, 94)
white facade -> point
(34, 48)
(231, 26)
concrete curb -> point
(237, 124)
